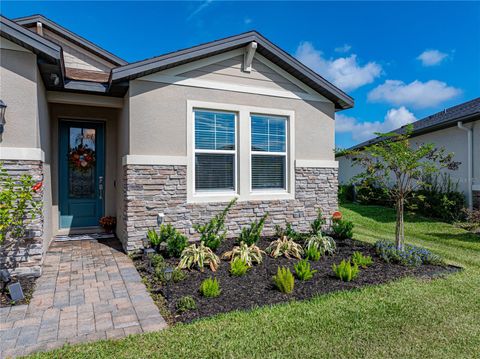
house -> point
(457, 129)
(171, 138)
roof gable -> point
(60, 31)
(265, 48)
(226, 72)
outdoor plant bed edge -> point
(256, 287)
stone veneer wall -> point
(24, 257)
(476, 199)
(151, 189)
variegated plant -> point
(285, 247)
(249, 254)
(198, 256)
(324, 244)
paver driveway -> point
(89, 290)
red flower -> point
(336, 216)
(37, 186)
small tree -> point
(400, 168)
(17, 204)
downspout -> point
(469, 162)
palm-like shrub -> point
(324, 244)
(198, 256)
(285, 247)
(284, 280)
(249, 254)
(346, 271)
(250, 235)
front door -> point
(81, 173)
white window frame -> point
(270, 191)
(243, 153)
(219, 192)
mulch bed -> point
(28, 286)
(256, 287)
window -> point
(269, 152)
(215, 151)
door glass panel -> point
(81, 162)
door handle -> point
(100, 187)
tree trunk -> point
(400, 228)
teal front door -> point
(81, 173)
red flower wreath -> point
(81, 157)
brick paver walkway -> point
(89, 290)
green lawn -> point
(409, 318)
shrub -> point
(324, 244)
(174, 240)
(176, 244)
(251, 235)
(360, 260)
(185, 304)
(166, 232)
(154, 238)
(198, 256)
(285, 247)
(177, 274)
(238, 267)
(312, 253)
(156, 260)
(438, 198)
(17, 204)
(303, 270)
(472, 219)
(345, 271)
(213, 232)
(288, 232)
(346, 193)
(249, 254)
(317, 224)
(411, 256)
(210, 288)
(284, 280)
(342, 228)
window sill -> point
(212, 197)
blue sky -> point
(400, 61)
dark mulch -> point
(256, 287)
(28, 286)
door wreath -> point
(81, 157)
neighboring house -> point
(457, 129)
(175, 136)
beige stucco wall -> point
(45, 141)
(452, 139)
(158, 118)
(122, 150)
(18, 89)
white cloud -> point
(362, 131)
(344, 72)
(416, 94)
(247, 21)
(343, 48)
(431, 57)
(199, 8)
